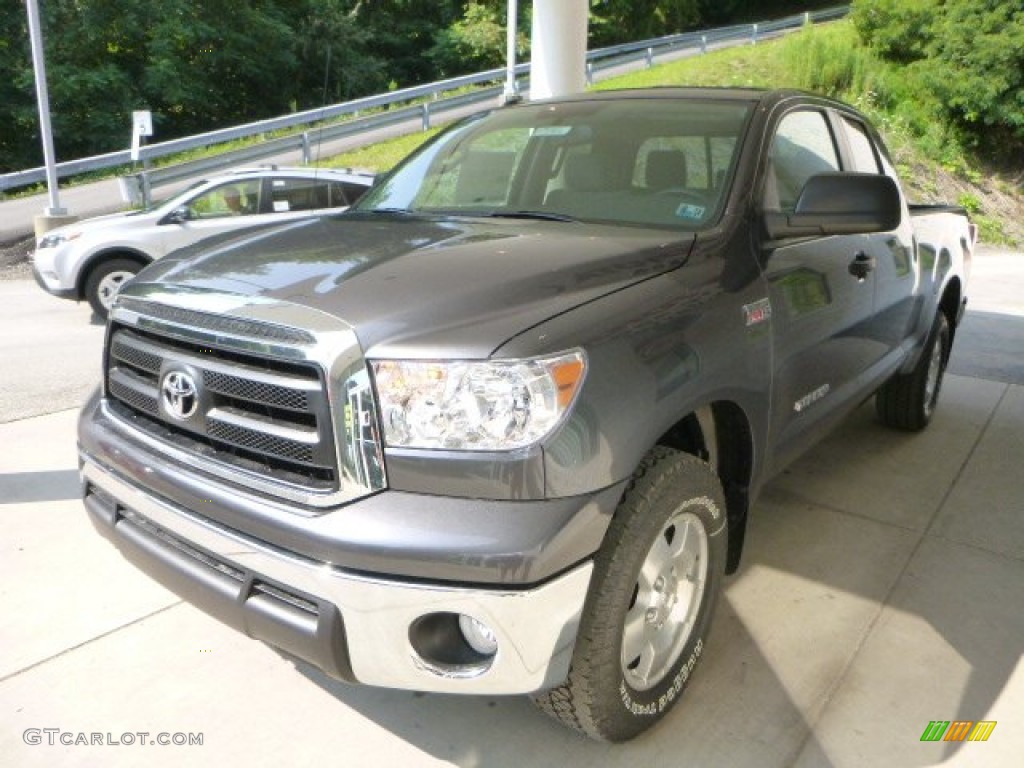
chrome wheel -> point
(666, 599)
(108, 287)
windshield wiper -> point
(538, 215)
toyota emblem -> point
(181, 399)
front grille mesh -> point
(254, 391)
(251, 414)
(260, 442)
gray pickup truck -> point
(497, 429)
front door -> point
(822, 303)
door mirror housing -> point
(179, 215)
(840, 204)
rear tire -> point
(104, 282)
(907, 401)
(655, 585)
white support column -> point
(511, 28)
(559, 48)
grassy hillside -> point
(828, 59)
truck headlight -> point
(493, 405)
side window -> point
(345, 193)
(803, 146)
(298, 195)
(239, 198)
(862, 148)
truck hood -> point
(427, 287)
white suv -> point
(90, 259)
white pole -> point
(559, 48)
(43, 98)
(510, 52)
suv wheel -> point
(105, 280)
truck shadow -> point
(49, 485)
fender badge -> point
(758, 312)
(811, 398)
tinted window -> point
(298, 195)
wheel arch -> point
(120, 252)
(950, 303)
(720, 433)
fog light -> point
(478, 635)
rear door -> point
(891, 254)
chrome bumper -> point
(353, 627)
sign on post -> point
(142, 127)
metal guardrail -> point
(597, 60)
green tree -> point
(968, 55)
(618, 21)
(19, 131)
(478, 39)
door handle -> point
(861, 265)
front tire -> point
(907, 401)
(655, 585)
(104, 282)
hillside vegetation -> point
(934, 161)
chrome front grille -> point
(249, 409)
(294, 417)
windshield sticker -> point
(687, 211)
(552, 130)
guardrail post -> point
(649, 58)
(147, 195)
(590, 73)
(703, 43)
(307, 154)
(807, 18)
(753, 34)
(425, 109)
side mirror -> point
(840, 204)
(179, 215)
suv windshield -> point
(653, 162)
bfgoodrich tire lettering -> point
(655, 585)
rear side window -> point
(298, 195)
(345, 193)
(803, 147)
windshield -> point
(654, 162)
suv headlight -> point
(492, 405)
(52, 241)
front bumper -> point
(50, 282)
(354, 627)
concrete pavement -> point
(881, 590)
